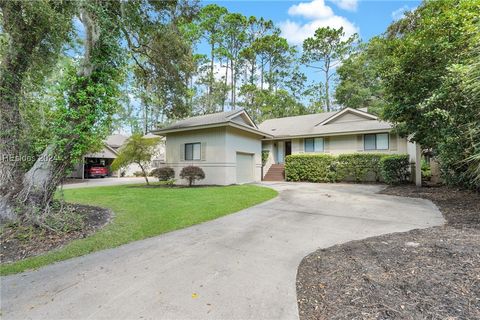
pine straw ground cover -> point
(432, 273)
(20, 242)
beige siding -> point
(242, 119)
(219, 153)
(347, 117)
(214, 154)
(244, 142)
(351, 144)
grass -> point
(146, 212)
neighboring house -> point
(228, 145)
(109, 152)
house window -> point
(314, 145)
(192, 151)
(378, 141)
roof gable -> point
(243, 118)
(348, 115)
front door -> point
(288, 148)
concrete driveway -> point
(242, 266)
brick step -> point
(275, 173)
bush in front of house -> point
(163, 174)
(265, 154)
(192, 174)
(310, 167)
(138, 174)
(395, 168)
(359, 166)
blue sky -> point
(299, 19)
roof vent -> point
(274, 129)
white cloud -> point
(400, 12)
(311, 10)
(350, 5)
(320, 15)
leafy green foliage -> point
(395, 168)
(138, 150)
(327, 48)
(192, 174)
(309, 167)
(265, 154)
(360, 83)
(427, 75)
(358, 167)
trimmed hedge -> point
(394, 168)
(309, 167)
(358, 167)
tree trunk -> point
(16, 61)
(232, 86)
(34, 192)
(226, 83)
(211, 77)
(327, 84)
(144, 172)
(39, 185)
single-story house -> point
(111, 146)
(228, 145)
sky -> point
(299, 19)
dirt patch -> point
(421, 274)
(461, 208)
(18, 243)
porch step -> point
(275, 173)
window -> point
(314, 145)
(192, 151)
(309, 144)
(378, 141)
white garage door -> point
(244, 167)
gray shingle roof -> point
(308, 125)
(116, 140)
(207, 119)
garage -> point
(245, 167)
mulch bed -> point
(22, 242)
(431, 273)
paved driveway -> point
(242, 266)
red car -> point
(95, 171)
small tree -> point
(138, 150)
(192, 173)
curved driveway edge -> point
(241, 266)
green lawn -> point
(145, 212)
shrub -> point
(309, 167)
(163, 174)
(426, 170)
(359, 166)
(356, 166)
(395, 168)
(138, 174)
(265, 154)
(191, 174)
